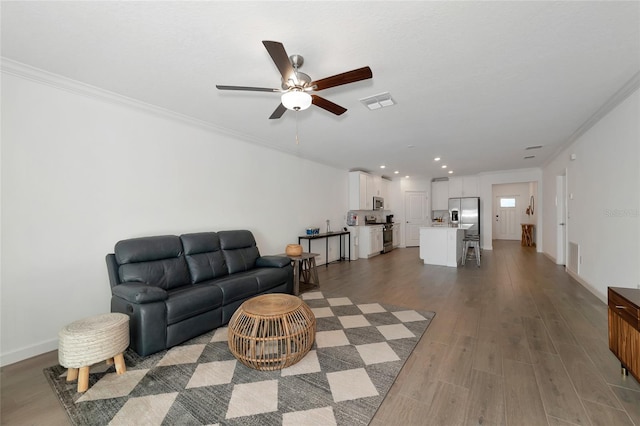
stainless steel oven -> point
(387, 238)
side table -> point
(304, 270)
(527, 235)
(271, 331)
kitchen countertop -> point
(464, 226)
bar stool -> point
(471, 241)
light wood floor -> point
(514, 342)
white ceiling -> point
(475, 82)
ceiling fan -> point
(297, 85)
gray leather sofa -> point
(176, 288)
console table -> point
(624, 328)
(326, 236)
(527, 234)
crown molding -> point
(27, 72)
(627, 89)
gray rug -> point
(358, 353)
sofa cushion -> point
(156, 261)
(192, 300)
(139, 293)
(239, 249)
(268, 278)
(236, 287)
(204, 256)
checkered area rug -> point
(358, 353)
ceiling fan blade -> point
(278, 112)
(344, 78)
(328, 105)
(281, 59)
(246, 88)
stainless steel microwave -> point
(378, 203)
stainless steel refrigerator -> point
(465, 210)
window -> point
(509, 202)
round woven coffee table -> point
(91, 340)
(271, 331)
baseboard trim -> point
(587, 285)
(28, 352)
(551, 258)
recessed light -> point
(436, 159)
(450, 171)
(396, 172)
(406, 177)
(382, 166)
(444, 166)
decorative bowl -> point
(293, 250)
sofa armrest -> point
(272, 262)
(139, 293)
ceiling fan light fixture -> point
(296, 100)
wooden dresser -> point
(624, 327)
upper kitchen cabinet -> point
(440, 195)
(358, 191)
(363, 187)
(463, 186)
(385, 193)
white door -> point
(561, 220)
(506, 226)
(415, 213)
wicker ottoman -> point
(91, 340)
(271, 331)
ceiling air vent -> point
(529, 157)
(533, 147)
(378, 101)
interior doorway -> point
(415, 214)
(513, 204)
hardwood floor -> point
(514, 342)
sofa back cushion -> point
(239, 250)
(204, 256)
(156, 261)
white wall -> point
(604, 214)
(80, 173)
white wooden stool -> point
(91, 340)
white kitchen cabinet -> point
(377, 240)
(396, 235)
(384, 193)
(363, 187)
(374, 185)
(463, 186)
(440, 195)
(370, 241)
(360, 189)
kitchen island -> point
(442, 245)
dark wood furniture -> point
(304, 270)
(326, 236)
(624, 328)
